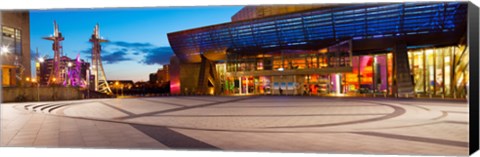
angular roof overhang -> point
(370, 26)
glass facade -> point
(440, 71)
(436, 72)
(371, 74)
(335, 56)
(287, 54)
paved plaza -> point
(256, 123)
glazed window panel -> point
(418, 70)
(381, 73)
(366, 73)
(18, 42)
(390, 71)
(352, 81)
(298, 63)
(277, 62)
(461, 70)
(448, 70)
(323, 61)
(259, 64)
(430, 68)
(8, 38)
(12, 39)
(439, 73)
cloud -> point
(115, 57)
(87, 51)
(129, 45)
(118, 51)
(158, 55)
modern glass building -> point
(387, 49)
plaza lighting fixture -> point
(4, 50)
(280, 69)
(41, 60)
(69, 64)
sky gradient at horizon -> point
(138, 36)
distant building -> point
(140, 84)
(152, 78)
(163, 75)
(118, 84)
(44, 69)
(160, 77)
(15, 47)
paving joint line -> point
(118, 108)
(156, 101)
(182, 108)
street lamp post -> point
(40, 60)
(69, 83)
(88, 82)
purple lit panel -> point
(381, 60)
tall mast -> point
(100, 80)
(55, 75)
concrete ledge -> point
(22, 94)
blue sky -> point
(138, 36)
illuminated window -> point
(12, 39)
(430, 70)
(6, 77)
(435, 73)
(418, 70)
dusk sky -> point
(138, 37)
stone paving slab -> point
(259, 123)
(42, 130)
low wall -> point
(25, 94)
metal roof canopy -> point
(370, 26)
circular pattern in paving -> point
(249, 114)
